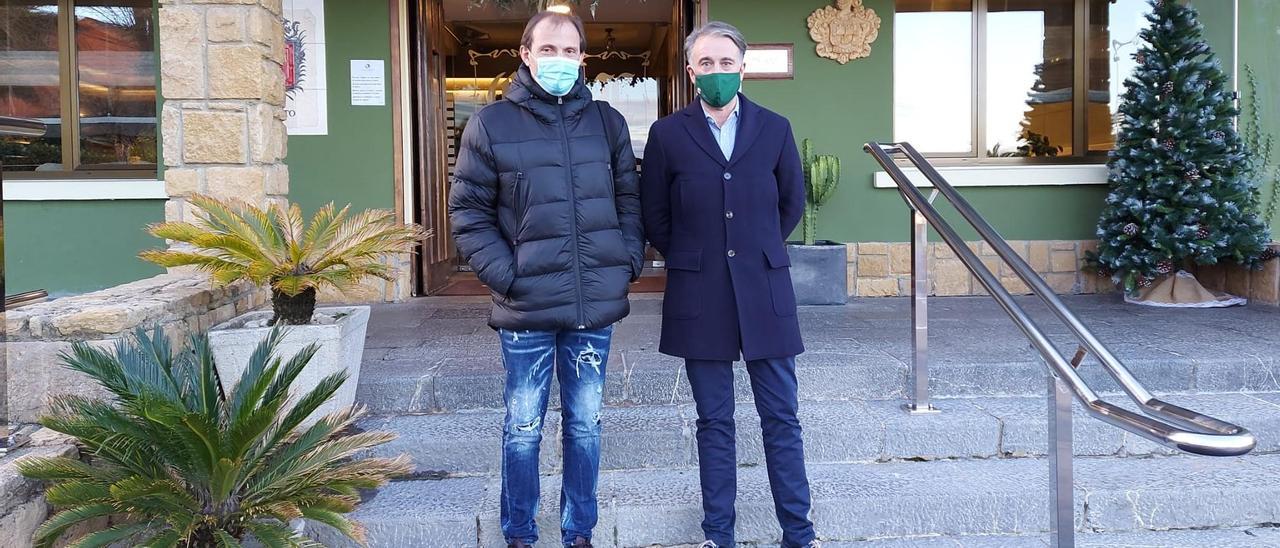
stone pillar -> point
(223, 87)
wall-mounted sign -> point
(368, 86)
(305, 77)
(769, 62)
(845, 31)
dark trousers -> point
(773, 381)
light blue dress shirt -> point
(725, 136)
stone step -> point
(869, 366)
(1254, 537)
(433, 355)
(662, 436)
(888, 502)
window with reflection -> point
(933, 76)
(87, 69)
(637, 99)
(1029, 77)
(1113, 41)
(998, 78)
(29, 81)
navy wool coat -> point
(721, 224)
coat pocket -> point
(780, 288)
(684, 275)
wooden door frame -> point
(434, 263)
(420, 141)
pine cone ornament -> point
(1219, 135)
(1267, 254)
(1104, 272)
(1193, 174)
(1168, 87)
(1144, 281)
(1202, 233)
(1164, 267)
(1142, 59)
(1168, 144)
(1130, 229)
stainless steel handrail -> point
(21, 127)
(1186, 430)
(1207, 435)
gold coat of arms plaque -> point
(844, 31)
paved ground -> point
(432, 355)
(975, 475)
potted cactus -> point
(274, 248)
(818, 266)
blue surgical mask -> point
(557, 74)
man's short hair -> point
(556, 19)
(714, 28)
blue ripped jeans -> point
(578, 358)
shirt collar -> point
(732, 115)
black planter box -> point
(819, 273)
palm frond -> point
(51, 530)
(114, 535)
(189, 464)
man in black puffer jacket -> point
(545, 208)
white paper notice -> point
(368, 87)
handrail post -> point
(919, 393)
(1062, 528)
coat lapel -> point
(749, 124)
(695, 122)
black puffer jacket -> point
(544, 212)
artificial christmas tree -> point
(1182, 188)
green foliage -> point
(1181, 177)
(1261, 144)
(272, 247)
(184, 464)
(821, 177)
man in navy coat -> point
(721, 188)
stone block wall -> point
(884, 269)
(1259, 286)
(22, 503)
(178, 303)
(223, 116)
(376, 290)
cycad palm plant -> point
(186, 465)
(273, 247)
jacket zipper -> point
(518, 204)
(573, 199)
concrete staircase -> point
(974, 475)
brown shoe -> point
(580, 543)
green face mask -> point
(718, 88)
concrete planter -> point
(341, 349)
(819, 274)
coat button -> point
(731, 253)
(727, 175)
(728, 214)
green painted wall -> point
(1259, 43)
(353, 163)
(1218, 18)
(77, 246)
(842, 106)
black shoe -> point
(580, 543)
(517, 544)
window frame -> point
(978, 126)
(69, 109)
